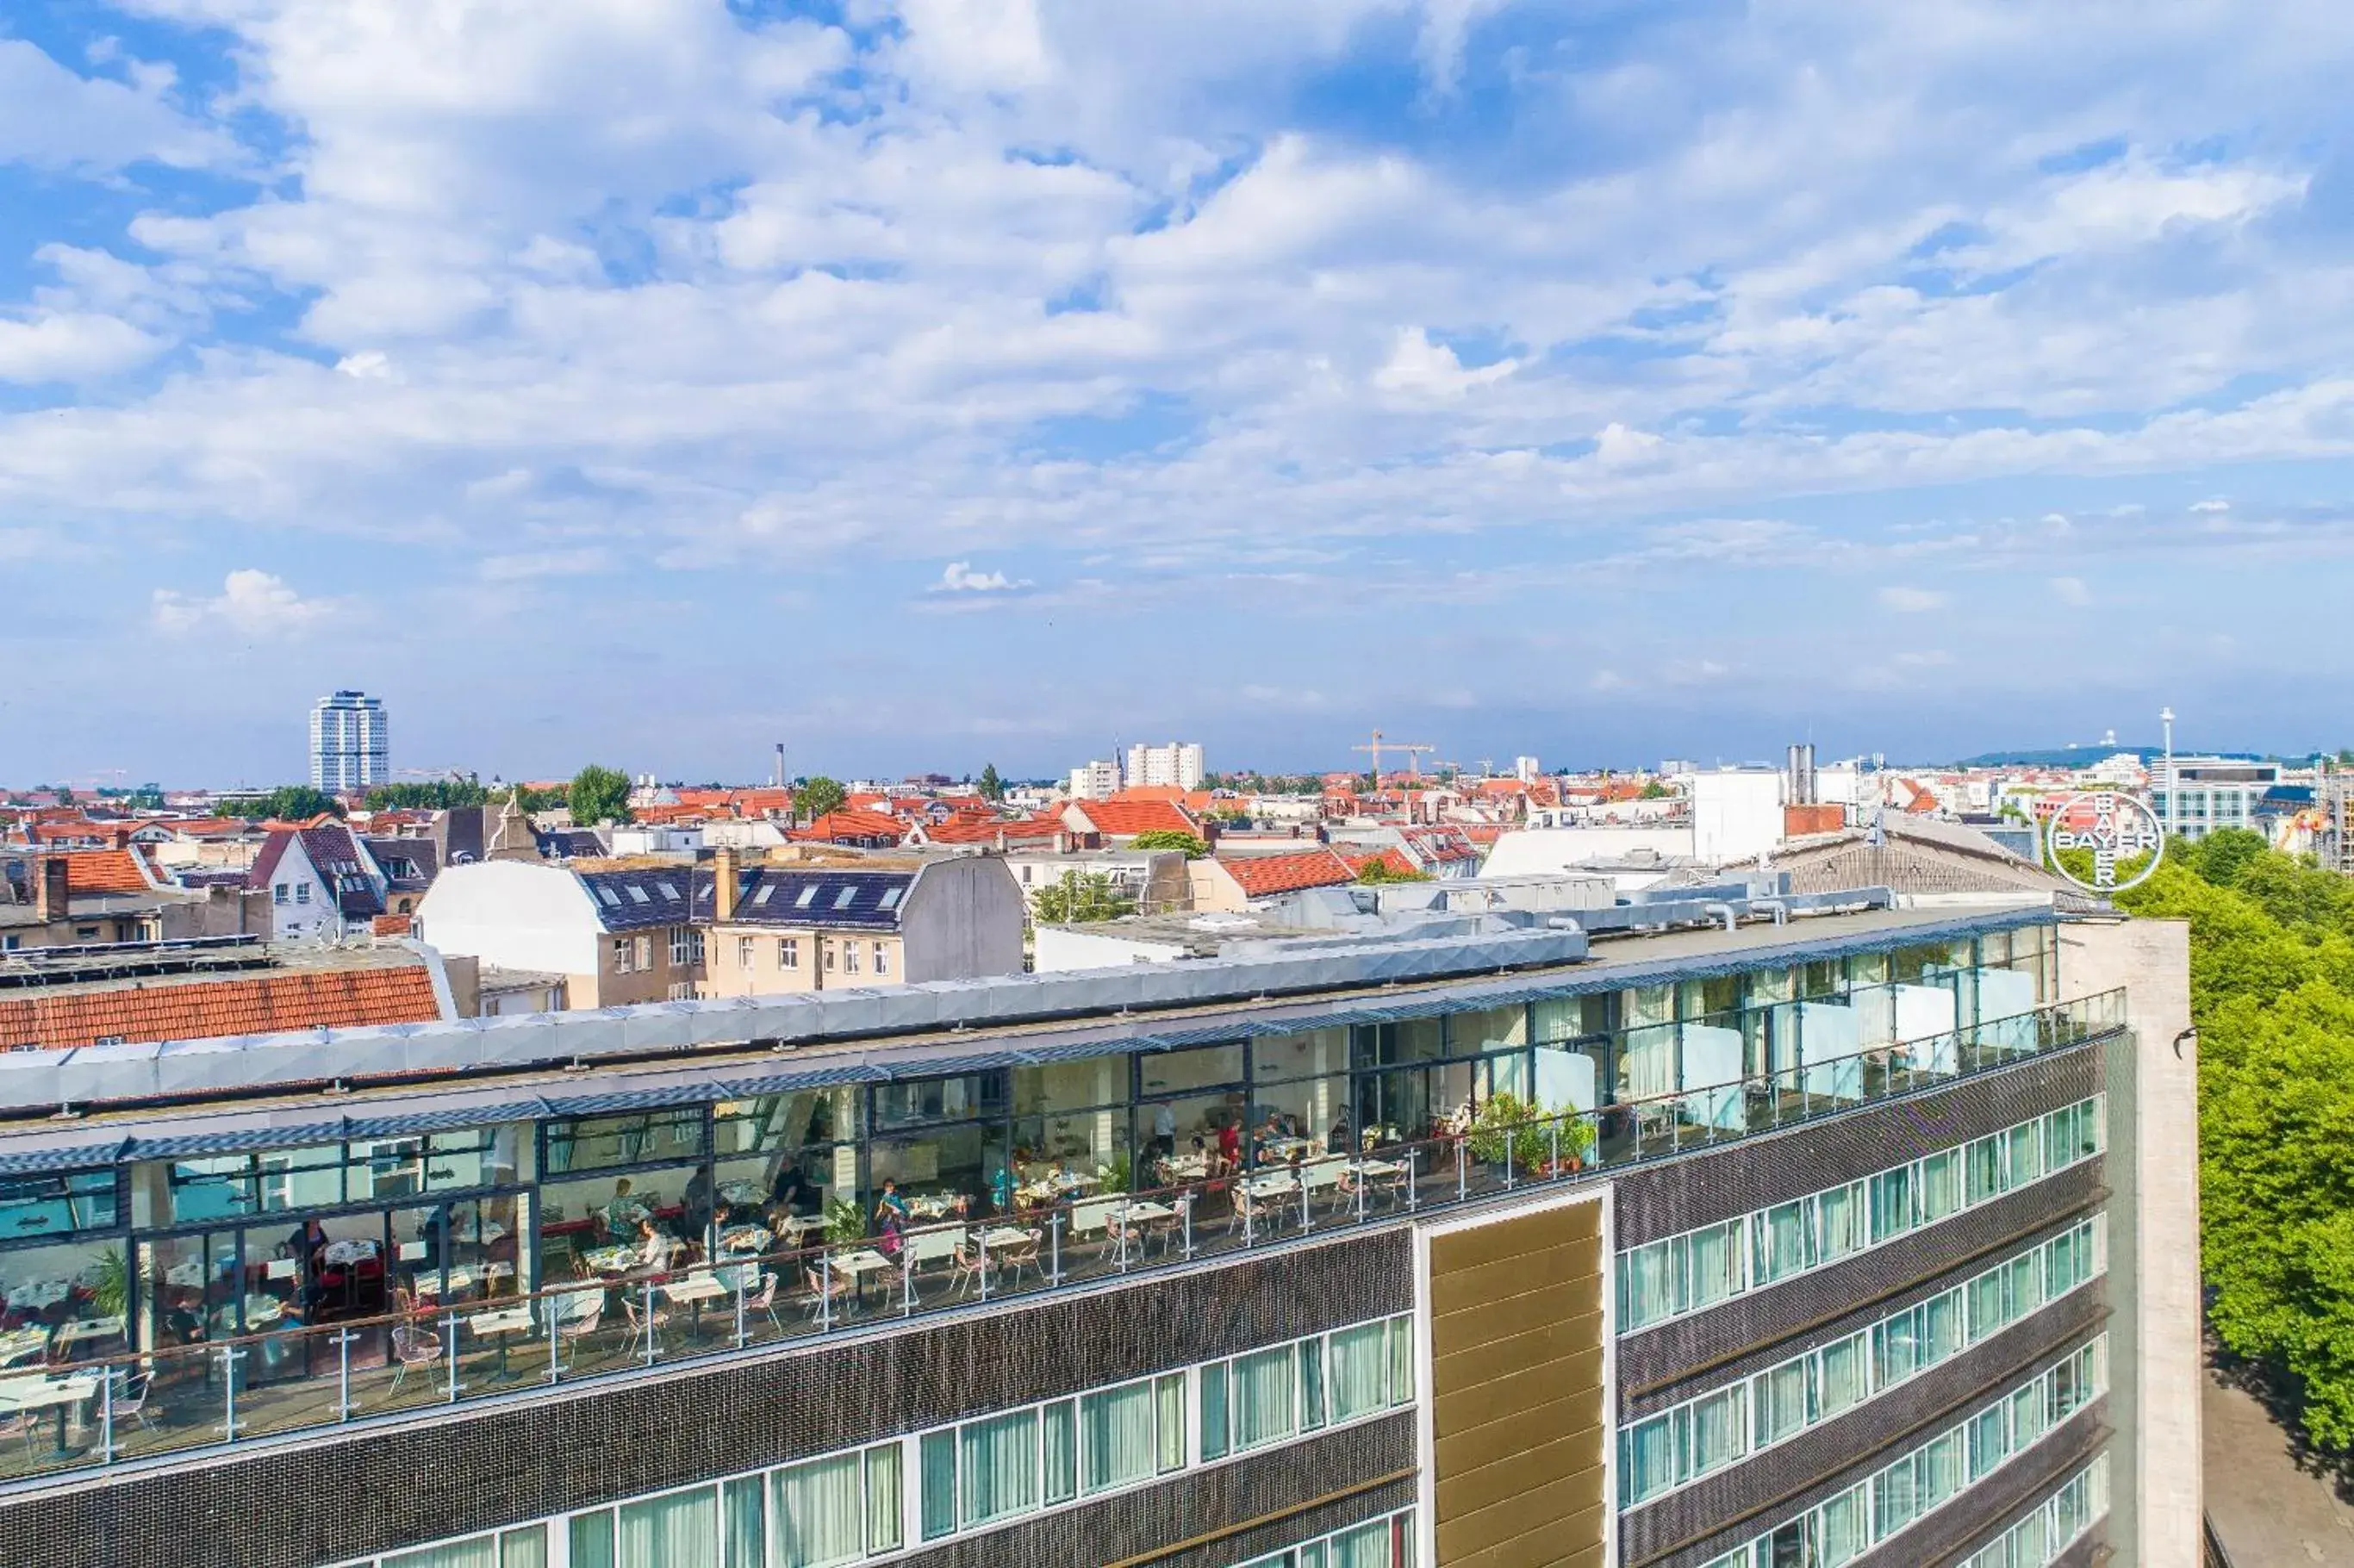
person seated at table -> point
(620, 1215)
(1230, 1142)
(1337, 1141)
(890, 1202)
(656, 1247)
(793, 1191)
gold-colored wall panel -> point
(1519, 1418)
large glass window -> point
(56, 1204)
(821, 1512)
(640, 1138)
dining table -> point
(501, 1328)
(862, 1263)
(23, 1395)
(746, 1239)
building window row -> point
(848, 1507)
(1721, 1428)
(2065, 1517)
(1387, 1542)
(1690, 1273)
(1843, 1528)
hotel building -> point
(1726, 1232)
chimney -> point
(122, 837)
(723, 885)
(50, 899)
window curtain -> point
(1842, 1375)
(885, 1491)
(1941, 1468)
(1360, 1370)
(1263, 1394)
(1892, 1202)
(1402, 1360)
(671, 1532)
(1366, 1546)
(1843, 1222)
(1941, 1327)
(1651, 1279)
(747, 1529)
(1898, 1344)
(1169, 1394)
(997, 1472)
(818, 1508)
(1648, 1459)
(1842, 1523)
(525, 1548)
(938, 1459)
(1989, 1441)
(1784, 1241)
(1214, 1411)
(2026, 1154)
(1718, 1422)
(591, 1539)
(1895, 1498)
(1311, 1383)
(1117, 1437)
(482, 1552)
(1781, 1401)
(1985, 1168)
(1715, 1263)
(1061, 1441)
(1940, 1185)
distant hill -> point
(2085, 756)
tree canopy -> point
(818, 796)
(441, 795)
(2271, 993)
(1081, 896)
(287, 803)
(1177, 839)
(1378, 870)
(992, 787)
(598, 795)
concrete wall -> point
(963, 917)
(1562, 849)
(1061, 947)
(518, 916)
(2153, 1170)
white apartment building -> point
(1095, 781)
(1178, 763)
(350, 743)
(1525, 769)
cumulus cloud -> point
(1418, 367)
(2070, 590)
(252, 604)
(958, 576)
(53, 346)
(1910, 600)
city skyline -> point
(937, 383)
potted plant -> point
(1116, 1176)
(1506, 1122)
(845, 1223)
(109, 1287)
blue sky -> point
(956, 381)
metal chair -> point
(412, 1347)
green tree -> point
(818, 796)
(1378, 870)
(1192, 847)
(598, 795)
(441, 795)
(1654, 790)
(287, 803)
(2272, 989)
(992, 787)
(1081, 896)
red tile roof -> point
(1120, 818)
(103, 871)
(255, 1006)
(391, 926)
(848, 826)
(1391, 857)
(1264, 875)
(970, 830)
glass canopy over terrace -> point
(185, 1292)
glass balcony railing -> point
(616, 1317)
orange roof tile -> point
(103, 871)
(1123, 819)
(255, 1006)
(1263, 875)
(969, 830)
(391, 926)
(1391, 857)
(836, 826)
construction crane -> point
(1413, 749)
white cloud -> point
(2070, 590)
(1910, 600)
(52, 118)
(369, 365)
(525, 565)
(958, 576)
(1418, 367)
(52, 346)
(251, 604)
(2216, 505)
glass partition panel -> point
(962, 1096)
(581, 1222)
(641, 1138)
(944, 1166)
(1082, 1085)
(1165, 1072)
(1488, 1029)
(56, 1204)
(68, 1301)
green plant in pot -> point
(1116, 1175)
(110, 1288)
(845, 1223)
(1508, 1122)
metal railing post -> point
(1511, 1136)
(824, 1292)
(1125, 1233)
(1302, 1179)
(1055, 1247)
(450, 1322)
(646, 1298)
(1413, 1159)
(742, 1338)
(1462, 1169)
(554, 1338)
(230, 1356)
(106, 1416)
(1243, 1195)
(344, 1374)
(984, 1262)
(1360, 1185)
(1185, 1218)
(1553, 1132)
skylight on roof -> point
(638, 894)
(762, 896)
(891, 896)
(808, 897)
(612, 898)
(842, 899)
(668, 890)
